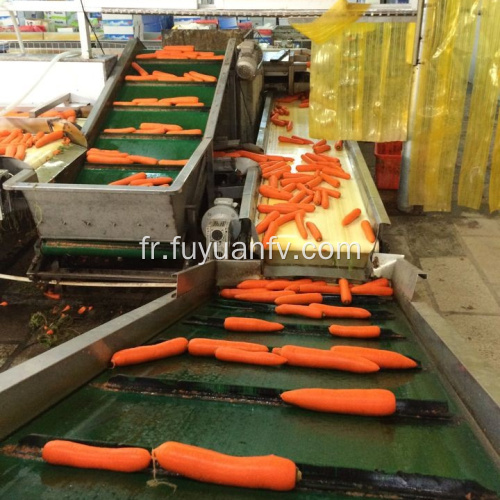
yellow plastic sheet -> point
(442, 85)
(333, 21)
(360, 83)
(494, 192)
(480, 128)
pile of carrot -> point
(142, 179)
(115, 157)
(161, 76)
(14, 143)
(180, 52)
(182, 101)
(262, 472)
(154, 129)
(66, 114)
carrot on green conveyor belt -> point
(144, 354)
(366, 402)
(385, 359)
(342, 311)
(382, 291)
(320, 358)
(252, 283)
(145, 100)
(277, 194)
(207, 347)
(249, 357)
(298, 310)
(203, 77)
(319, 287)
(237, 324)
(300, 298)
(351, 217)
(141, 78)
(126, 130)
(345, 291)
(194, 131)
(151, 131)
(143, 160)
(230, 293)
(139, 69)
(168, 127)
(376, 282)
(262, 472)
(172, 163)
(141, 182)
(315, 232)
(263, 296)
(108, 160)
(70, 454)
(48, 138)
(107, 152)
(360, 332)
(368, 230)
(160, 181)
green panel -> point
(130, 91)
(386, 444)
(179, 68)
(162, 149)
(104, 175)
(99, 249)
(121, 118)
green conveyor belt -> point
(390, 445)
(121, 118)
(129, 91)
(179, 68)
(160, 148)
(104, 175)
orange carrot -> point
(201, 76)
(361, 332)
(281, 284)
(166, 126)
(194, 131)
(249, 357)
(351, 216)
(70, 454)
(82, 310)
(298, 310)
(172, 163)
(385, 359)
(289, 127)
(53, 296)
(236, 324)
(314, 182)
(144, 354)
(141, 78)
(127, 180)
(322, 142)
(273, 181)
(139, 69)
(126, 130)
(342, 311)
(270, 232)
(321, 149)
(161, 181)
(264, 472)
(383, 291)
(143, 160)
(108, 160)
(249, 284)
(330, 180)
(319, 288)
(298, 197)
(339, 145)
(317, 199)
(269, 192)
(301, 298)
(207, 347)
(20, 152)
(264, 296)
(331, 192)
(315, 232)
(376, 282)
(319, 358)
(289, 140)
(345, 292)
(109, 152)
(48, 138)
(366, 402)
(304, 141)
(368, 230)
(230, 293)
(151, 131)
(325, 202)
(299, 221)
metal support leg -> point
(84, 34)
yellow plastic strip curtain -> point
(360, 83)
(440, 96)
(483, 107)
(333, 21)
(494, 194)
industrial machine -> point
(441, 443)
